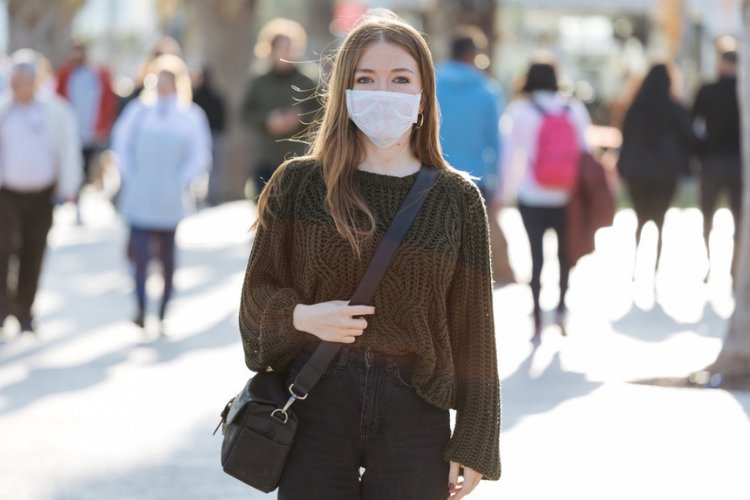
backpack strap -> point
(544, 112)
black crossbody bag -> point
(258, 423)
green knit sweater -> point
(435, 300)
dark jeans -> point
(365, 414)
(25, 220)
(721, 174)
(537, 220)
(146, 244)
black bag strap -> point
(324, 354)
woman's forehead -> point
(387, 56)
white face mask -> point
(382, 116)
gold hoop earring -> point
(420, 120)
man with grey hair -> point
(40, 162)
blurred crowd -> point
(63, 128)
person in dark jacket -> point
(716, 119)
(655, 150)
(278, 105)
(212, 102)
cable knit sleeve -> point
(268, 293)
(475, 441)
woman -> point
(427, 343)
(163, 143)
(542, 204)
(655, 150)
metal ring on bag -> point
(281, 412)
(295, 396)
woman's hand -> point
(470, 480)
(332, 321)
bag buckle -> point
(281, 414)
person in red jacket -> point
(88, 89)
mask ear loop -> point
(420, 120)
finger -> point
(471, 479)
(453, 478)
(359, 310)
(354, 324)
(348, 340)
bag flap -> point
(266, 387)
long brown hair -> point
(337, 144)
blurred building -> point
(600, 45)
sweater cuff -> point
(481, 453)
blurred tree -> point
(319, 16)
(449, 14)
(733, 361)
(226, 44)
(42, 25)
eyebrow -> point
(395, 70)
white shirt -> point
(84, 93)
(27, 149)
(520, 128)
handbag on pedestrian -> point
(259, 424)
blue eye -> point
(401, 79)
(364, 80)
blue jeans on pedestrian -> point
(365, 433)
(146, 244)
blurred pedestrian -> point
(470, 106)
(544, 137)
(279, 103)
(40, 161)
(428, 344)
(163, 143)
(655, 150)
(716, 118)
(212, 102)
(88, 89)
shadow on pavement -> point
(542, 393)
(44, 382)
(655, 325)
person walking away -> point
(655, 151)
(213, 104)
(470, 106)
(427, 342)
(88, 89)
(716, 119)
(278, 104)
(40, 162)
(544, 135)
(162, 143)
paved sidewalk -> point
(93, 409)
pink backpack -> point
(557, 151)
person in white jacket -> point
(542, 207)
(163, 143)
(40, 163)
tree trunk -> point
(318, 26)
(41, 25)
(734, 358)
(226, 44)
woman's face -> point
(165, 85)
(385, 66)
